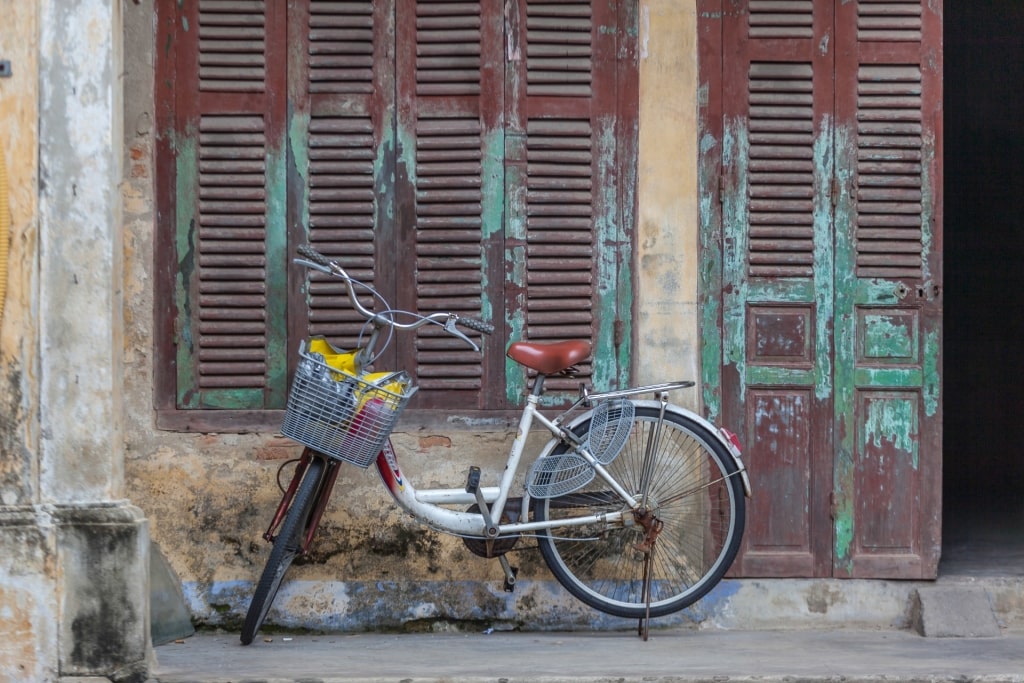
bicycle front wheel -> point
(287, 547)
(692, 487)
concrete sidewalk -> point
(676, 654)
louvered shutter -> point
(342, 92)
(888, 306)
(570, 210)
(449, 209)
(386, 135)
(228, 138)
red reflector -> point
(733, 439)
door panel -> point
(777, 256)
(888, 310)
(829, 210)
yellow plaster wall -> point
(19, 142)
(667, 318)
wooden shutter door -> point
(449, 189)
(341, 129)
(229, 211)
(888, 290)
(830, 127)
(777, 269)
(569, 151)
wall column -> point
(75, 567)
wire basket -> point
(557, 475)
(342, 416)
(610, 427)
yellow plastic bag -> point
(345, 361)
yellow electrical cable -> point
(5, 231)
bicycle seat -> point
(550, 357)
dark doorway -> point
(983, 401)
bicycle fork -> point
(322, 496)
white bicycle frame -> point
(429, 506)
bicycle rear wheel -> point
(287, 546)
(693, 488)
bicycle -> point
(637, 505)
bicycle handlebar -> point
(475, 324)
(313, 255)
(446, 318)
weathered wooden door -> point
(823, 286)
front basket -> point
(342, 416)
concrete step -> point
(951, 605)
(951, 610)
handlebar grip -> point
(313, 255)
(478, 325)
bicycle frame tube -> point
(428, 505)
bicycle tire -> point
(287, 546)
(695, 491)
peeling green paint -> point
(709, 281)
(932, 341)
(844, 539)
(824, 260)
(612, 249)
(735, 209)
(886, 337)
(888, 377)
(276, 246)
(185, 202)
(927, 204)
(766, 375)
(515, 264)
(492, 191)
(844, 340)
(892, 421)
(298, 148)
(515, 378)
(875, 292)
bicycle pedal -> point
(473, 480)
(510, 574)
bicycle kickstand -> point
(652, 526)
(645, 620)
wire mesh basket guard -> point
(342, 416)
(557, 475)
(610, 426)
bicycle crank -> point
(498, 546)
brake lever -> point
(450, 328)
(313, 265)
